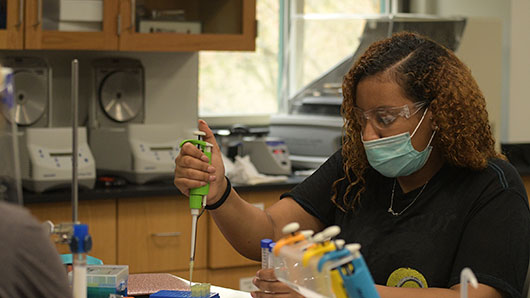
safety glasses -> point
(384, 117)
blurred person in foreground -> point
(31, 266)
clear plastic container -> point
(307, 280)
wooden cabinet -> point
(231, 277)
(225, 25)
(220, 253)
(226, 267)
(100, 215)
(36, 38)
(154, 234)
(11, 37)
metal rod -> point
(9, 90)
(75, 91)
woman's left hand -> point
(269, 286)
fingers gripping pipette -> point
(197, 195)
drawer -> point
(154, 234)
(221, 254)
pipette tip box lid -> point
(179, 294)
(103, 280)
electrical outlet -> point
(245, 284)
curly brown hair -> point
(426, 71)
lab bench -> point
(148, 228)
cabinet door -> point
(221, 254)
(154, 234)
(181, 25)
(100, 215)
(11, 24)
(238, 278)
(71, 25)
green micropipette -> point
(197, 196)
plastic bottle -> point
(265, 253)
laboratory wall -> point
(171, 84)
(519, 103)
(485, 34)
(515, 69)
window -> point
(323, 32)
(243, 83)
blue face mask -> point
(395, 156)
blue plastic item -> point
(330, 256)
(177, 294)
(356, 277)
(67, 259)
(358, 283)
(81, 241)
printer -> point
(312, 124)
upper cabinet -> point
(183, 25)
(11, 24)
(128, 25)
(71, 25)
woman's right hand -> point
(270, 287)
(193, 170)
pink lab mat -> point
(148, 283)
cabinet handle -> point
(39, 13)
(168, 234)
(118, 28)
(133, 14)
(20, 13)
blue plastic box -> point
(177, 294)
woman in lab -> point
(417, 182)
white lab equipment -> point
(243, 171)
(73, 15)
(46, 158)
(31, 91)
(122, 143)
(269, 155)
(137, 152)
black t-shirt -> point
(463, 218)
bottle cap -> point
(265, 243)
